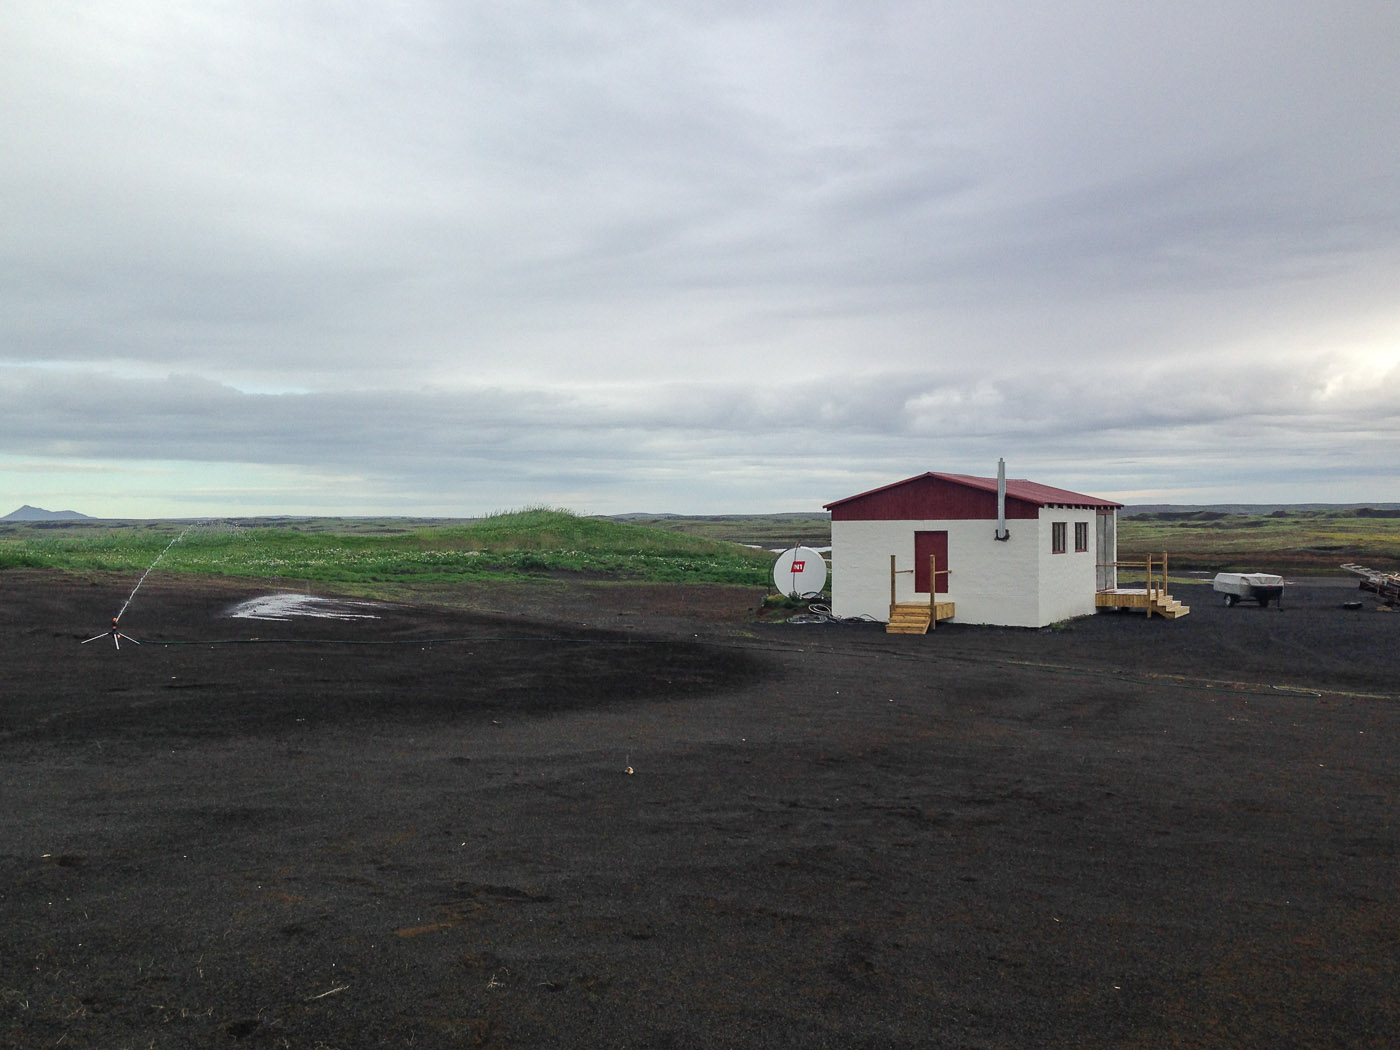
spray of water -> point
(114, 632)
(116, 619)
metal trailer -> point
(1386, 585)
(1258, 587)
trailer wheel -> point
(1230, 600)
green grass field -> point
(1298, 542)
(378, 555)
(773, 531)
(362, 553)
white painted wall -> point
(1015, 583)
(1067, 581)
(860, 566)
(992, 581)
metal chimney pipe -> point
(1002, 534)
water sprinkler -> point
(113, 633)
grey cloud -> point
(91, 413)
(599, 249)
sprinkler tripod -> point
(113, 634)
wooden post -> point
(891, 586)
(932, 591)
(1149, 586)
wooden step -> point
(907, 625)
(915, 617)
(921, 614)
(1163, 605)
(908, 619)
(1170, 608)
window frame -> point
(1059, 537)
(1081, 537)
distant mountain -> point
(28, 513)
(1257, 509)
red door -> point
(926, 543)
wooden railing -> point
(1154, 568)
(933, 573)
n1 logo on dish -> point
(799, 566)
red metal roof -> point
(1017, 489)
(1033, 492)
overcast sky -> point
(454, 257)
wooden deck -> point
(1155, 601)
(917, 617)
(1152, 597)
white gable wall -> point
(991, 582)
(1016, 583)
(1067, 581)
(860, 566)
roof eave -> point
(1079, 499)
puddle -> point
(292, 606)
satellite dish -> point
(800, 571)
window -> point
(1057, 537)
(1081, 535)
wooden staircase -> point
(909, 619)
(1151, 598)
(1157, 602)
(1166, 605)
(916, 617)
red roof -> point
(1016, 489)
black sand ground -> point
(420, 830)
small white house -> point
(1008, 552)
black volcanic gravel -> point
(590, 816)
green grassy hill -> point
(773, 531)
(360, 553)
(370, 555)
